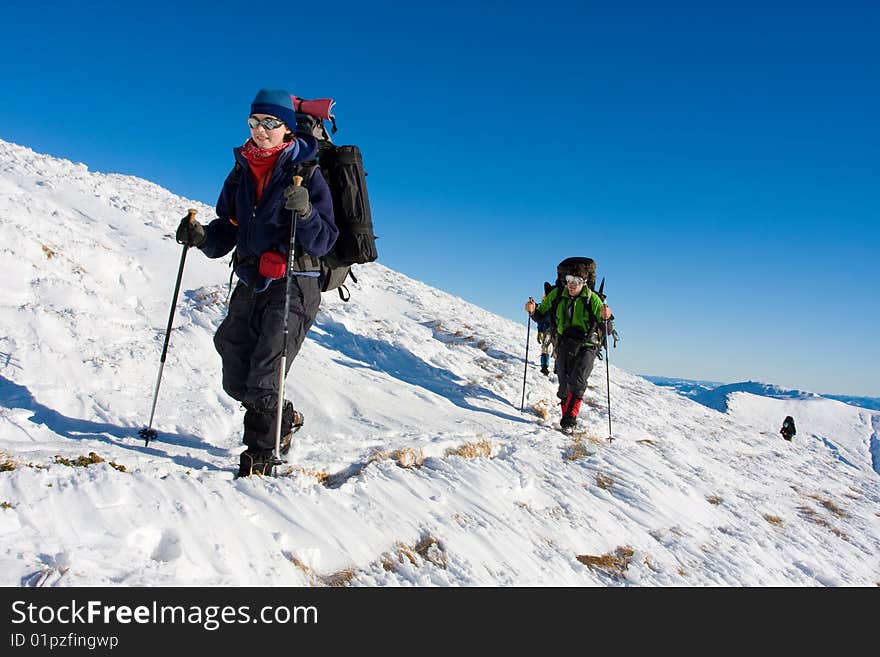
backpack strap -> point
(347, 295)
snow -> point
(391, 384)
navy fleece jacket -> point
(254, 228)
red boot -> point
(569, 417)
(563, 405)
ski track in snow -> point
(400, 376)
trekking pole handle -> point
(191, 218)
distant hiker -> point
(578, 313)
(788, 430)
(254, 216)
(547, 337)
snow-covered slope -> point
(848, 431)
(415, 466)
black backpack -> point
(343, 169)
(596, 329)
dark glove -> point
(191, 233)
(298, 200)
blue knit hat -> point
(276, 102)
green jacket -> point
(570, 311)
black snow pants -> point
(574, 362)
(250, 343)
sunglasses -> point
(268, 123)
(574, 280)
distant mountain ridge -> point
(713, 394)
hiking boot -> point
(256, 462)
(291, 424)
(545, 371)
(259, 427)
(567, 422)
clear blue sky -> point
(721, 164)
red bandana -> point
(262, 161)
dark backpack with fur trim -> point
(568, 265)
(596, 331)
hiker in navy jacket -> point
(254, 214)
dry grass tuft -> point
(406, 552)
(575, 451)
(378, 455)
(604, 481)
(541, 409)
(481, 448)
(714, 499)
(49, 252)
(592, 403)
(650, 564)
(6, 505)
(210, 298)
(590, 438)
(613, 564)
(409, 457)
(773, 520)
(337, 580)
(320, 475)
(808, 513)
(299, 564)
(831, 506)
(86, 461)
(430, 549)
(8, 463)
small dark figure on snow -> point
(254, 216)
(579, 312)
(788, 429)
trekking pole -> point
(276, 458)
(148, 432)
(526, 371)
(608, 381)
(603, 296)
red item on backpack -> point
(273, 265)
(319, 107)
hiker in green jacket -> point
(579, 315)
